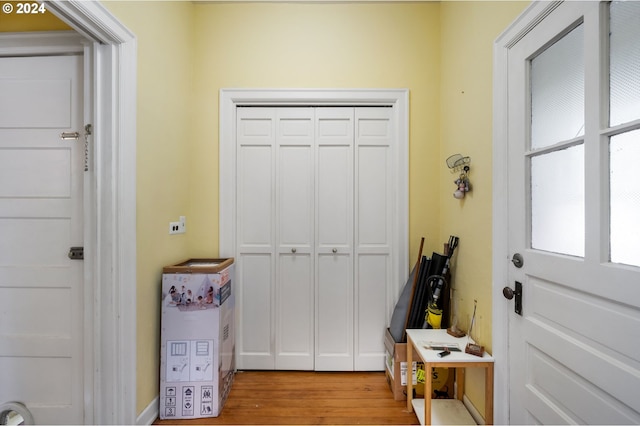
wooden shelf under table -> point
(439, 411)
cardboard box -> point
(197, 356)
(442, 379)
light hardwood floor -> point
(309, 398)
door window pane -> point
(557, 201)
(624, 61)
(625, 198)
(557, 91)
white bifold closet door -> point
(313, 237)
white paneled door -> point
(574, 325)
(375, 149)
(294, 197)
(41, 217)
(313, 236)
(334, 239)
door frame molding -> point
(110, 51)
(398, 99)
(522, 25)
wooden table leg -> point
(428, 391)
(460, 377)
(488, 392)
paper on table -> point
(440, 346)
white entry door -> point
(574, 216)
(41, 217)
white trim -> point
(40, 43)
(150, 413)
(110, 263)
(89, 196)
(398, 99)
(92, 20)
(473, 411)
(500, 263)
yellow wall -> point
(164, 32)
(468, 31)
(316, 45)
(15, 22)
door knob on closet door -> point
(335, 250)
(293, 250)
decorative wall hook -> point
(460, 164)
(457, 162)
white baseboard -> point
(473, 410)
(149, 414)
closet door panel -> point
(373, 233)
(334, 239)
(295, 179)
(255, 262)
(334, 349)
(373, 275)
(373, 202)
(255, 195)
(295, 197)
(294, 337)
(335, 197)
(256, 340)
(374, 197)
(295, 220)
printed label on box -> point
(206, 406)
(192, 293)
(190, 361)
(403, 373)
(187, 400)
(225, 292)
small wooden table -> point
(445, 411)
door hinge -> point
(76, 253)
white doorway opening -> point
(396, 99)
(110, 194)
